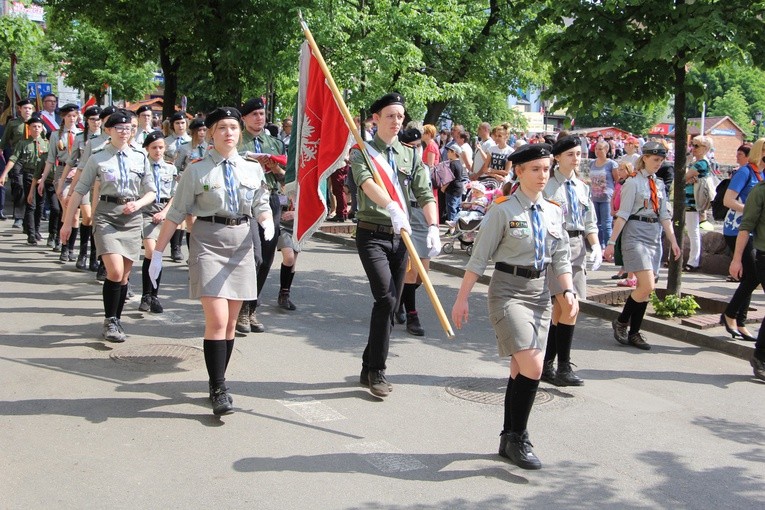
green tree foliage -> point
(24, 38)
(90, 60)
(637, 120)
(634, 53)
(733, 104)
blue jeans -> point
(453, 205)
(603, 212)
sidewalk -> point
(604, 298)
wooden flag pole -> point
(360, 141)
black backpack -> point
(719, 211)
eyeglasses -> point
(123, 129)
(696, 146)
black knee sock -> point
(188, 239)
(522, 399)
(215, 360)
(507, 426)
(628, 310)
(145, 280)
(72, 239)
(85, 231)
(409, 297)
(563, 339)
(285, 277)
(123, 298)
(229, 350)
(551, 350)
(154, 290)
(174, 240)
(637, 317)
(111, 294)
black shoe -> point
(82, 262)
(517, 448)
(38, 236)
(378, 384)
(31, 240)
(620, 331)
(337, 219)
(413, 326)
(220, 402)
(64, 257)
(255, 325)
(112, 331)
(284, 301)
(566, 376)
(548, 372)
(400, 316)
(17, 223)
(101, 273)
(621, 276)
(72, 257)
(732, 332)
(93, 265)
(364, 379)
(212, 393)
(145, 305)
(176, 255)
(759, 368)
(156, 306)
(51, 241)
(637, 340)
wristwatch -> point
(571, 291)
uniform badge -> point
(519, 224)
(206, 187)
(520, 233)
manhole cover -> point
(152, 356)
(488, 391)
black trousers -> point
(384, 258)
(739, 303)
(55, 209)
(16, 180)
(33, 211)
(759, 262)
(266, 250)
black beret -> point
(143, 108)
(93, 111)
(530, 152)
(196, 123)
(251, 105)
(68, 107)
(106, 112)
(153, 137)
(127, 113)
(24, 102)
(387, 100)
(410, 135)
(177, 116)
(225, 112)
(564, 144)
(117, 118)
(655, 149)
(33, 119)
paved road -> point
(89, 425)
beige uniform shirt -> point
(556, 190)
(636, 198)
(173, 144)
(132, 181)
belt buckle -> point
(232, 222)
(122, 201)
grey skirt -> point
(285, 237)
(115, 232)
(641, 246)
(419, 232)
(151, 229)
(520, 311)
(579, 272)
(221, 262)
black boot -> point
(413, 326)
(517, 448)
(566, 376)
(548, 372)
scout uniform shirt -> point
(95, 144)
(15, 132)
(164, 175)
(59, 149)
(132, 181)
(188, 153)
(636, 197)
(32, 155)
(173, 144)
(557, 190)
(411, 174)
(264, 143)
(506, 235)
(202, 190)
(141, 135)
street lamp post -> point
(757, 124)
(42, 77)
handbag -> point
(705, 189)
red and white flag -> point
(323, 140)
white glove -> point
(155, 267)
(433, 241)
(596, 257)
(398, 218)
(268, 228)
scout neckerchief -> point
(573, 203)
(123, 172)
(539, 237)
(228, 178)
(654, 194)
(387, 175)
(156, 180)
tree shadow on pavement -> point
(743, 433)
(717, 380)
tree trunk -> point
(170, 70)
(435, 109)
(678, 209)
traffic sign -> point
(33, 87)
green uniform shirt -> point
(264, 143)
(754, 216)
(412, 177)
(13, 134)
(32, 155)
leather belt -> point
(374, 227)
(231, 222)
(116, 200)
(645, 219)
(524, 272)
(575, 233)
(414, 204)
(164, 200)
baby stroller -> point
(466, 227)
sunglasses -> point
(696, 146)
